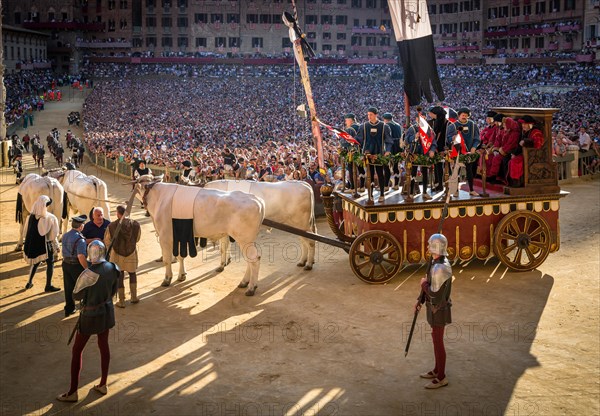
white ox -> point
(288, 202)
(83, 192)
(216, 215)
(30, 188)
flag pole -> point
(408, 162)
(300, 46)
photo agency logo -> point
(465, 408)
(317, 408)
(271, 332)
(126, 332)
(274, 252)
(491, 332)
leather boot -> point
(121, 295)
(133, 290)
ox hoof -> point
(301, 264)
(166, 282)
(182, 278)
(250, 292)
(220, 269)
(308, 267)
(228, 261)
(243, 285)
(19, 248)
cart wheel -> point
(522, 240)
(375, 257)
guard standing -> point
(95, 288)
(74, 253)
(436, 287)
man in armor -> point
(436, 288)
(95, 288)
(74, 253)
(376, 138)
(396, 130)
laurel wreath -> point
(468, 158)
(425, 160)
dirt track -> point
(318, 342)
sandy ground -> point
(310, 342)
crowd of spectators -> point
(252, 110)
(25, 91)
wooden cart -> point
(519, 226)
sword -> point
(421, 297)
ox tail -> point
(103, 197)
(313, 221)
(65, 208)
(19, 214)
(58, 208)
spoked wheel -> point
(375, 257)
(522, 240)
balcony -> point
(103, 45)
(92, 27)
(489, 51)
(35, 65)
(370, 30)
(514, 32)
(569, 28)
(377, 48)
(584, 58)
(458, 48)
(59, 49)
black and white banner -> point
(412, 28)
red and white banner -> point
(339, 133)
(463, 147)
(425, 134)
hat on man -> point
(438, 111)
(77, 221)
(373, 110)
(350, 116)
(187, 164)
(498, 117)
(527, 120)
(463, 110)
(387, 116)
(491, 114)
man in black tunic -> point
(396, 130)
(376, 140)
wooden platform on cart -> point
(394, 199)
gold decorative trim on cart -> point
(470, 211)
